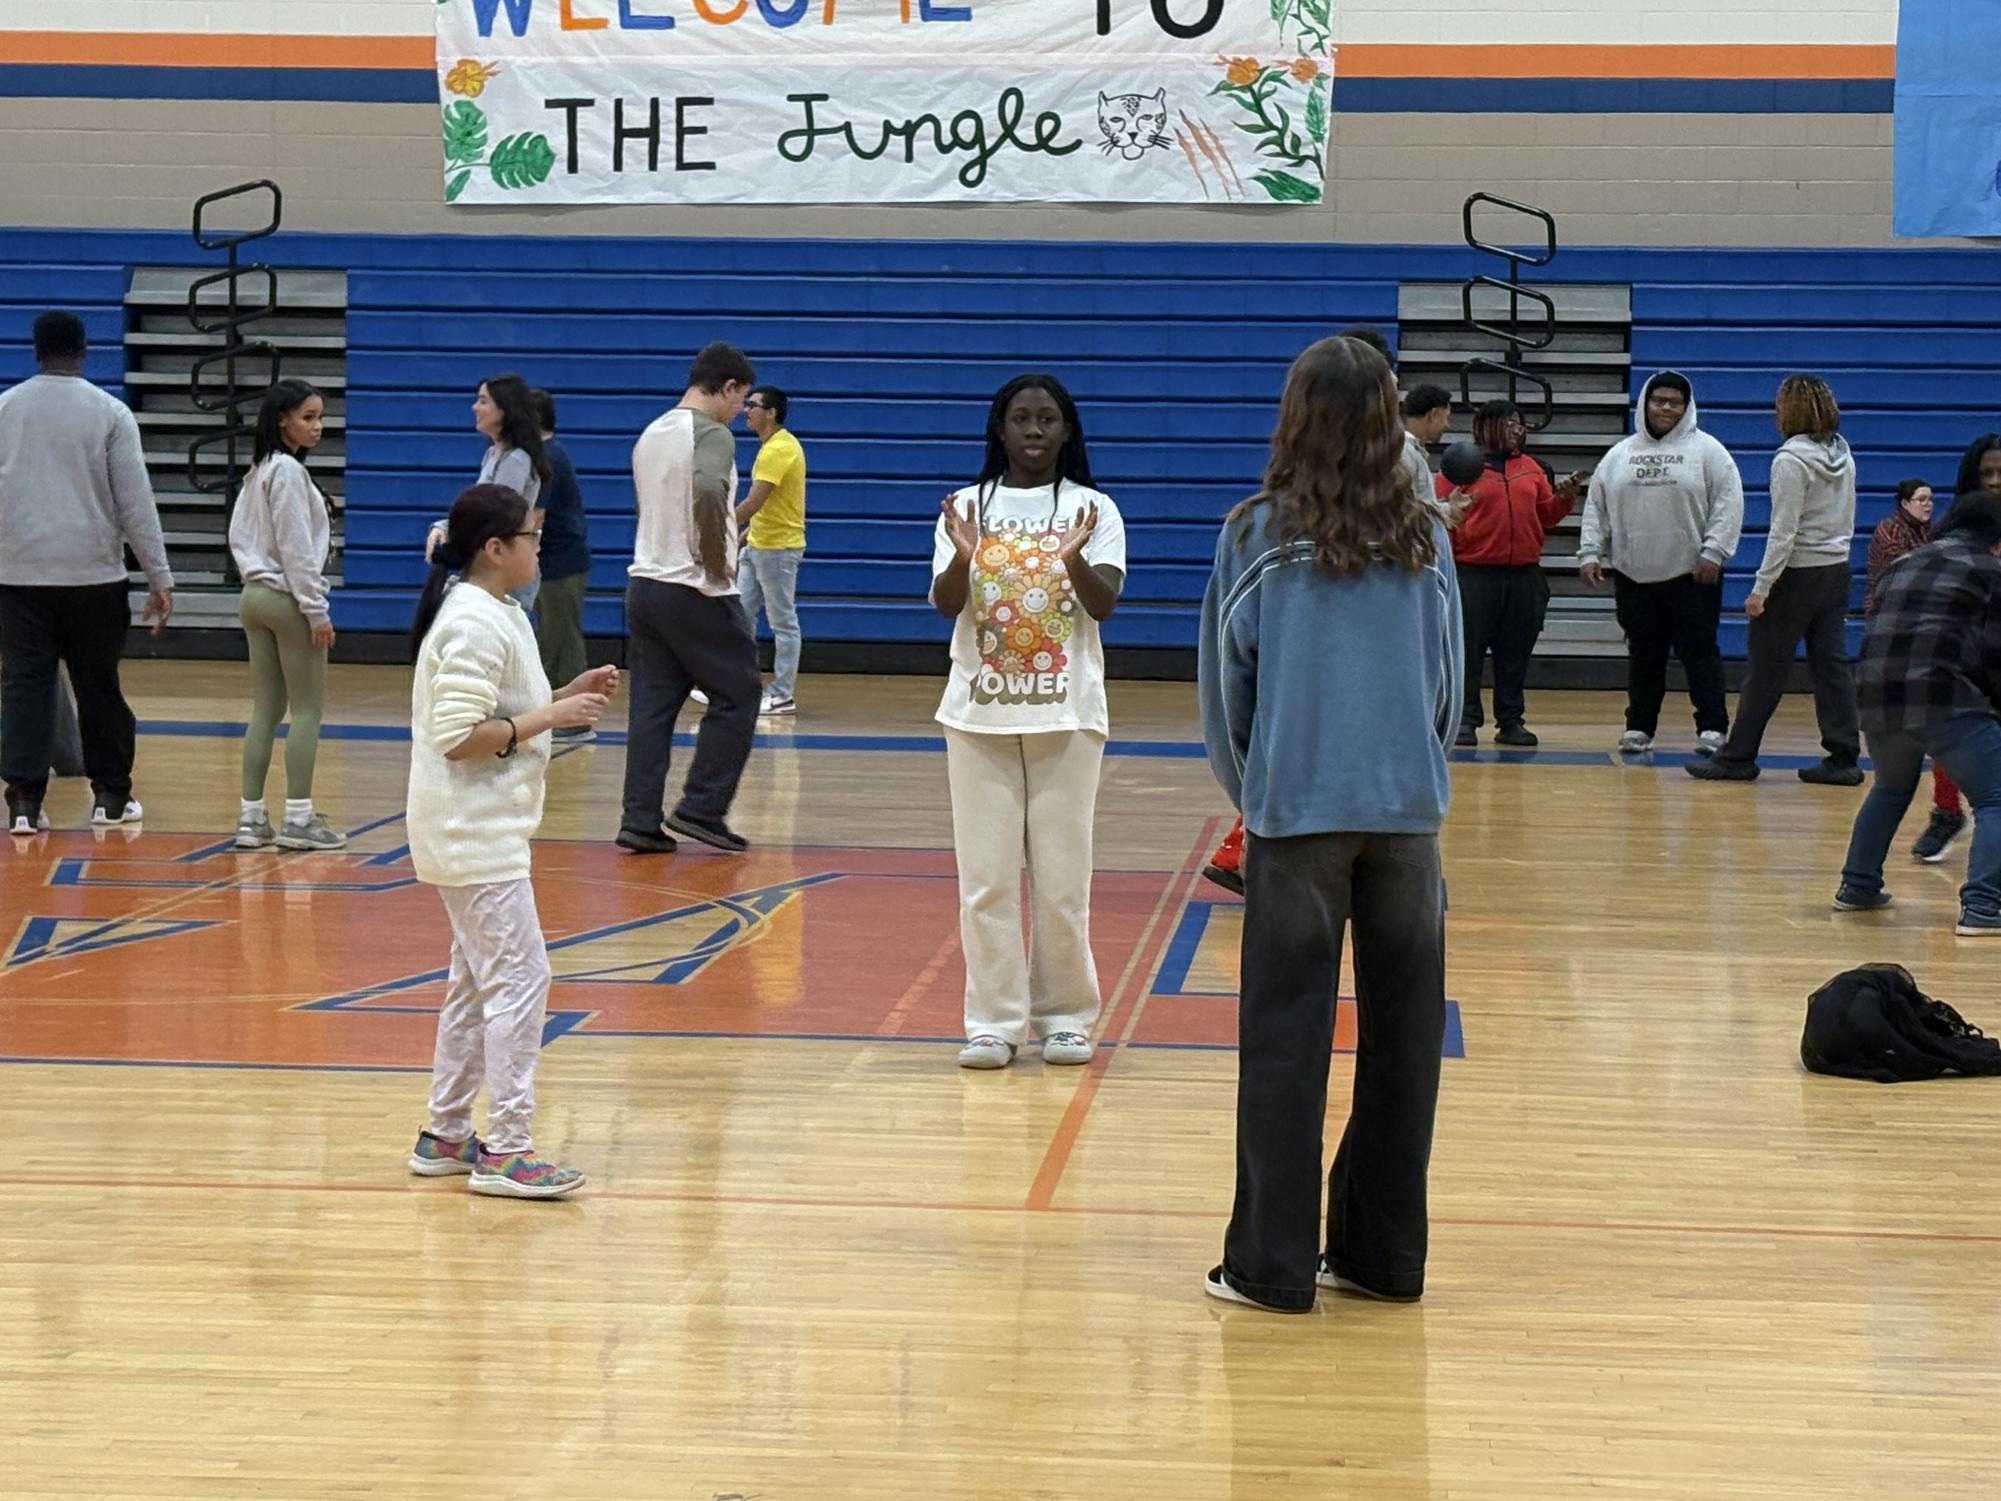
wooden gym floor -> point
(817, 1261)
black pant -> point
(1503, 610)
(1681, 616)
(681, 639)
(1810, 603)
(1300, 894)
(83, 628)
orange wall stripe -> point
(220, 49)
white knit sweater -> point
(470, 820)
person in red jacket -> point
(1497, 548)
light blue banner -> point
(1948, 118)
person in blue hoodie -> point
(1331, 670)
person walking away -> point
(1330, 679)
(1904, 530)
(683, 615)
(1801, 591)
(481, 713)
(73, 495)
(279, 535)
(1662, 516)
(1929, 683)
(775, 513)
(565, 563)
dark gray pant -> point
(1300, 894)
(1503, 610)
(1810, 603)
(1676, 615)
(681, 639)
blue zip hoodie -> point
(1327, 700)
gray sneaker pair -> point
(256, 833)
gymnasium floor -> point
(818, 1261)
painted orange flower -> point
(1243, 70)
(469, 79)
(1306, 69)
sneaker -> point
(522, 1175)
(574, 734)
(1832, 773)
(1467, 738)
(1721, 769)
(1333, 1279)
(771, 703)
(1634, 742)
(434, 1157)
(102, 816)
(314, 834)
(1709, 742)
(1519, 736)
(24, 815)
(1938, 836)
(699, 697)
(1218, 1286)
(986, 1052)
(648, 841)
(1067, 1048)
(716, 835)
(1855, 899)
(254, 832)
(1978, 924)
(1225, 877)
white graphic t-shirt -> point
(1025, 656)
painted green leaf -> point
(522, 161)
(457, 185)
(1316, 114)
(465, 132)
(1280, 9)
(1317, 9)
(1285, 188)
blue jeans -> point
(769, 576)
(1969, 748)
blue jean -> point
(769, 576)
(1969, 748)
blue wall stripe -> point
(120, 81)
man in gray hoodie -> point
(1662, 517)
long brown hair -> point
(1807, 408)
(1336, 475)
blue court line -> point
(1182, 947)
(278, 1068)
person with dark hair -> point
(1415, 459)
(1979, 469)
(1801, 590)
(1497, 550)
(684, 619)
(1904, 530)
(1026, 562)
(481, 713)
(1427, 414)
(73, 495)
(1330, 682)
(1662, 516)
(775, 513)
(279, 535)
(504, 412)
(1929, 683)
(566, 562)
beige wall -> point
(1612, 179)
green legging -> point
(287, 670)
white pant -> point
(490, 1028)
(1034, 796)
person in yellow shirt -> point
(775, 512)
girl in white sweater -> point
(480, 717)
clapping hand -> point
(960, 530)
(1082, 528)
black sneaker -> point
(1938, 836)
(717, 835)
(24, 815)
(1229, 880)
(1717, 769)
(1467, 737)
(1855, 899)
(647, 841)
(1832, 773)
(1517, 735)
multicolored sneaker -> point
(434, 1157)
(1226, 866)
(522, 1176)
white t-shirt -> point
(681, 447)
(1026, 657)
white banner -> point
(884, 101)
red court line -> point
(1146, 958)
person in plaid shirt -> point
(1930, 683)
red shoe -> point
(1226, 866)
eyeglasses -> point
(755, 406)
(534, 536)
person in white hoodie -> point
(481, 713)
(1662, 516)
(1801, 590)
(279, 534)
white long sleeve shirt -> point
(279, 533)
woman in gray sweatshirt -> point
(1801, 590)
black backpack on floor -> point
(1874, 1023)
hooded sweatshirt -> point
(1658, 505)
(1813, 508)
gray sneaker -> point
(255, 833)
(1071, 1048)
(986, 1052)
(314, 834)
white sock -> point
(252, 809)
(298, 809)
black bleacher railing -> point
(1511, 365)
(233, 394)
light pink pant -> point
(490, 1027)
